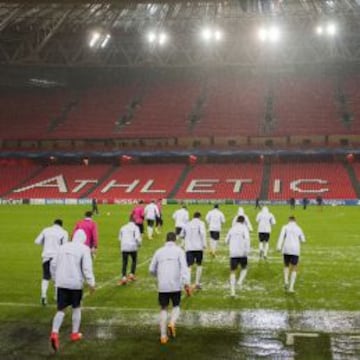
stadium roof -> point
(56, 33)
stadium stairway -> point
(100, 182)
(61, 118)
(178, 184)
(354, 181)
(265, 182)
(25, 180)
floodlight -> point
(162, 38)
(263, 34)
(151, 37)
(319, 30)
(105, 41)
(274, 34)
(94, 38)
(206, 34)
(218, 35)
(331, 29)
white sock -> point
(232, 283)
(260, 247)
(286, 275)
(175, 313)
(190, 274)
(292, 280)
(150, 231)
(57, 321)
(213, 245)
(198, 275)
(266, 249)
(242, 276)
(163, 322)
(76, 320)
(44, 287)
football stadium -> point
(188, 163)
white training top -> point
(194, 234)
(215, 218)
(265, 220)
(181, 217)
(247, 221)
(51, 238)
(170, 267)
(238, 239)
(129, 237)
(73, 264)
(290, 237)
(151, 211)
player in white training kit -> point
(181, 217)
(215, 219)
(51, 238)
(71, 266)
(289, 242)
(247, 221)
(169, 266)
(265, 220)
(130, 241)
(194, 234)
(151, 212)
(238, 239)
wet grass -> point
(329, 279)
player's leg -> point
(243, 263)
(214, 237)
(133, 255)
(164, 299)
(293, 272)
(63, 301)
(175, 313)
(233, 267)
(150, 228)
(190, 262)
(45, 281)
(266, 244)
(199, 259)
(125, 257)
(261, 246)
(76, 315)
(286, 270)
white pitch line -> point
(112, 280)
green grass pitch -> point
(122, 321)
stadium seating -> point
(312, 178)
(97, 112)
(11, 176)
(145, 182)
(61, 181)
(218, 181)
(164, 110)
(28, 114)
(234, 107)
(351, 89)
(306, 106)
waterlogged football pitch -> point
(320, 321)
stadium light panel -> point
(331, 29)
(94, 38)
(218, 35)
(162, 38)
(105, 41)
(319, 30)
(263, 34)
(274, 34)
(206, 34)
(151, 36)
